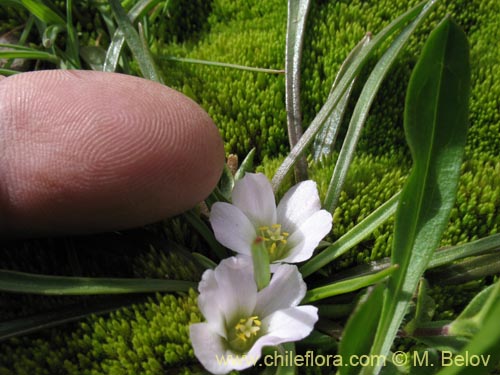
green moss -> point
(148, 338)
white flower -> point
(242, 320)
(291, 231)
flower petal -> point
(237, 291)
(292, 324)
(286, 289)
(297, 205)
(209, 292)
(232, 228)
(210, 349)
(305, 239)
(254, 195)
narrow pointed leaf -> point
(141, 54)
(296, 22)
(347, 286)
(418, 13)
(325, 139)
(361, 323)
(436, 121)
(351, 238)
(21, 282)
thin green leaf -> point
(360, 114)
(141, 54)
(419, 11)
(451, 254)
(287, 350)
(73, 44)
(43, 12)
(246, 165)
(8, 72)
(222, 65)
(194, 219)
(21, 282)
(33, 54)
(351, 238)
(205, 262)
(327, 135)
(466, 270)
(295, 29)
(346, 286)
(27, 325)
(436, 121)
(118, 39)
(361, 324)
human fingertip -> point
(88, 152)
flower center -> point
(244, 333)
(275, 240)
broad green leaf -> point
(43, 12)
(21, 282)
(141, 54)
(418, 13)
(346, 286)
(351, 238)
(295, 29)
(361, 327)
(436, 121)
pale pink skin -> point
(84, 151)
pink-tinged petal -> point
(237, 291)
(232, 227)
(254, 195)
(210, 349)
(209, 292)
(307, 237)
(286, 289)
(297, 205)
(292, 324)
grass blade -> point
(351, 238)
(418, 12)
(21, 282)
(347, 286)
(118, 39)
(296, 23)
(436, 121)
(43, 12)
(141, 54)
